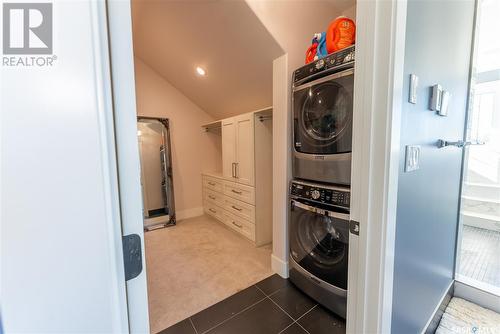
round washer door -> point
(326, 112)
(323, 116)
(319, 244)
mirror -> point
(156, 172)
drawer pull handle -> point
(211, 197)
(212, 210)
(211, 183)
(236, 208)
(236, 192)
(237, 225)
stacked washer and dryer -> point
(322, 103)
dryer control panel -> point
(325, 194)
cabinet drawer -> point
(213, 210)
(239, 208)
(240, 225)
(239, 191)
(213, 196)
(212, 183)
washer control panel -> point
(329, 195)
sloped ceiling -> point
(224, 37)
(293, 23)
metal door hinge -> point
(354, 227)
(132, 255)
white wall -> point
(193, 150)
(350, 12)
(61, 261)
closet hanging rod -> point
(265, 118)
(214, 127)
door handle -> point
(236, 165)
(233, 169)
(460, 143)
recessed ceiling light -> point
(200, 71)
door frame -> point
(378, 95)
(121, 56)
(376, 125)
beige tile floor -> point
(195, 264)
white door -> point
(229, 147)
(62, 263)
(244, 169)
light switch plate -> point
(412, 159)
(412, 98)
(445, 102)
(436, 95)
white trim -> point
(107, 142)
(281, 162)
(378, 82)
(189, 213)
(477, 295)
(438, 306)
(279, 266)
(127, 149)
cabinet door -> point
(228, 147)
(245, 149)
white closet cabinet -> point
(238, 153)
(241, 196)
(229, 147)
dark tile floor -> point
(271, 306)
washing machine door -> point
(323, 114)
(319, 242)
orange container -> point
(340, 34)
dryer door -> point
(319, 242)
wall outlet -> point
(412, 159)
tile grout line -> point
(271, 294)
(312, 308)
(192, 324)
(297, 321)
(234, 315)
(284, 329)
(293, 320)
(255, 285)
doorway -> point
(478, 243)
(221, 242)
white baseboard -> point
(279, 266)
(189, 213)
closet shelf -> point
(264, 114)
(212, 126)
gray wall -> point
(438, 45)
